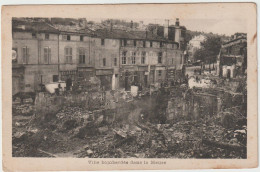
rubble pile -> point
(167, 124)
(23, 109)
(182, 140)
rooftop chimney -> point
(177, 23)
(111, 26)
(132, 24)
(166, 29)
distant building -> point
(193, 45)
(232, 61)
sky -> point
(219, 26)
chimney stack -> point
(166, 29)
(132, 24)
(177, 23)
(111, 26)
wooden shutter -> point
(45, 55)
(49, 55)
(27, 55)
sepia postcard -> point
(129, 86)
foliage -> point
(209, 49)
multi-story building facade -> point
(47, 53)
(232, 60)
(35, 52)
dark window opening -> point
(47, 36)
(151, 43)
(160, 57)
(161, 44)
(81, 38)
(115, 61)
(104, 62)
(102, 41)
(68, 37)
(55, 78)
(34, 35)
(143, 43)
(124, 42)
(143, 57)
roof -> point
(133, 34)
(114, 33)
(73, 29)
(32, 26)
(234, 41)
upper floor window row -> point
(143, 43)
(66, 37)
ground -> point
(146, 130)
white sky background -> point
(205, 25)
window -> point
(81, 37)
(68, 37)
(55, 78)
(47, 36)
(161, 44)
(123, 42)
(133, 57)
(25, 55)
(47, 55)
(172, 60)
(143, 43)
(34, 35)
(159, 73)
(160, 57)
(102, 41)
(104, 61)
(181, 59)
(134, 43)
(143, 57)
(124, 57)
(151, 43)
(115, 61)
(82, 56)
(68, 55)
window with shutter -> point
(143, 57)
(160, 57)
(47, 55)
(104, 61)
(133, 57)
(68, 55)
(115, 61)
(25, 51)
(124, 57)
(81, 52)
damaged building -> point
(47, 52)
(232, 61)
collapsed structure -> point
(46, 52)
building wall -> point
(36, 71)
(104, 52)
(96, 49)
